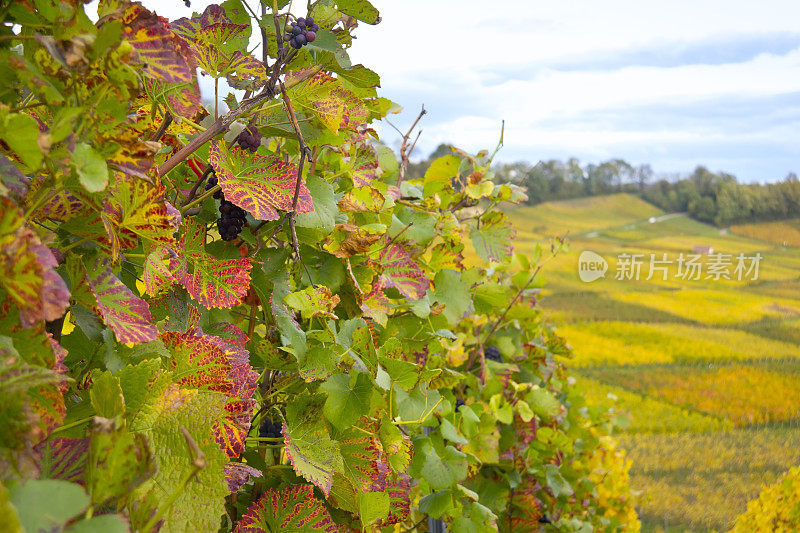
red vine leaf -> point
(63, 459)
(185, 28)
(258, 184)
(208, 362)
(246, 72)
(157, 273)
(402, 272)
(181, 99)
(137, 210)
(27, 273)
(237, 474)
(126, 314)
(399, 490)
(212, 282)
(294, 508)
(375, 304)
(155, 45)
(364, 166)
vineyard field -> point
(687, 361)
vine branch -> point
(405, 149)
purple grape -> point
(309, 21)
(311, 36)
(300, 40)
(296, 30)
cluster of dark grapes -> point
(232, 218)
(492, 352)
(459, 403)
(249, 139)
(270, 430)
(302, 32)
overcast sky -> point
(674, 84)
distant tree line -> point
(717, 198)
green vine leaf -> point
(314, 455)
(359, 9)
(118, 461)
(347, 402)
(493, 239)
(201, 503)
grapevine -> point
(249, 318)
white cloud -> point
(475, 63)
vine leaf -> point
(348, 239)
(361, 199)
(493, 239)
(396, 445)
(209, 363)
(157, 274)
(294, 508)
(155, 45)
(15, 184)
(375, 304)
(137, 210)
(237, 474)
(359, 9)
(246, 72)
(402, 272)
(328, 101)
(309, 447)
(399, 491)
(63, 458)
(313, 301)
(200, 503)
(364, 165)
(259, 184)
(180, 99)
(346, 403)
(28, 275)
(206, 35)
(126, 314)
(212, 282)
(119, 461)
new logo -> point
(591, 266)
